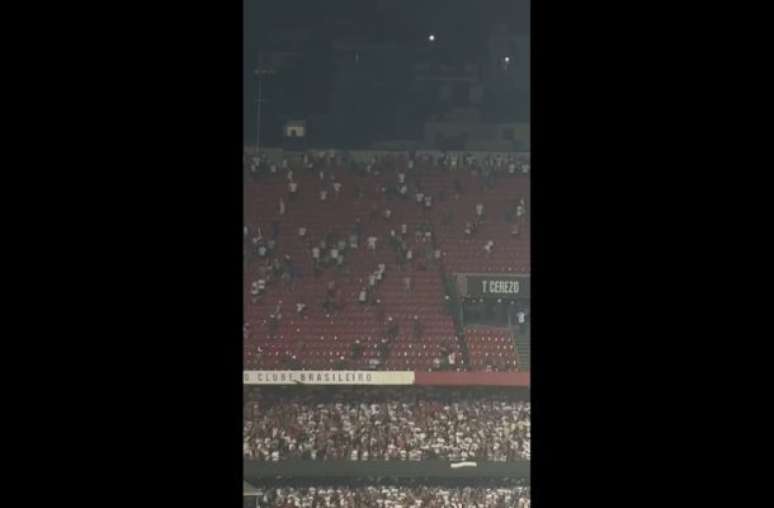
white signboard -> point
(328, 377)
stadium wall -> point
(277, 154)
(254, 470)
(514, 379)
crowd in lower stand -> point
(385, 424)
(393, 496)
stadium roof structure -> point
(248, 490)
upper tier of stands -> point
(323, 339)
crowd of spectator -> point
(415, 247)
(394, 496)
(385, 424)
(403, 184)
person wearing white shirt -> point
(336, 188)
(420, 197)
(323, 195)
(411, 164)
(488, 246)
(334, 253)
(404, 191)
(315, 253)
(387, 213)
(290, 175)
(293, 188)
(302, 232)
(403, 229)
(480, 210)
(401, 177)
(372, 243)
(521, 321)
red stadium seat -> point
(319, 340)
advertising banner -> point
(328, 377)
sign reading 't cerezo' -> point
(504, 286)
(500, 287)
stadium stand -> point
(392, 496)
(307, 314)
(386, 424)
(490, 349)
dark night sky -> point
(462, 25)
